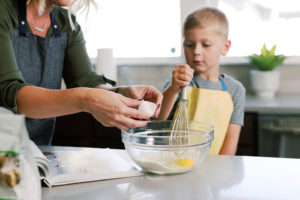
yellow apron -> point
(213, 107)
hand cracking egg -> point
(147, 107)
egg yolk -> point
(186, 162)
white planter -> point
(265, 83)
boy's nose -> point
(198, 49)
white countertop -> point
(217, 178)
(281, 104)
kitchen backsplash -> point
(157, 75)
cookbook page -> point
(84, 165)
(44, 165)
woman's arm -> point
(229, 146)
(108, 108)
(37, 102)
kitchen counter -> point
(217, 178)
(281, 104)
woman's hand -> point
(112, 109)
(148, 93)
(182, 76)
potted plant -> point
(265, 79)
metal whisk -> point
(181, 129)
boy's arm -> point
(169, 99)
(231, 140)
(181, 76)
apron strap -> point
(54, 24)
(23, 20)
(223, 83)
(22, 17)
(224, 88)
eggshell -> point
(147, 107)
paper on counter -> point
(87, 164)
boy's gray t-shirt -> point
(234, 87)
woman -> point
(40, 45)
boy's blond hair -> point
(206, 17)
(74, 6)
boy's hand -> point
(182, 76)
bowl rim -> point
(166, 147)
(209, 133)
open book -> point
(76, 165)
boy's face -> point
(203, 48)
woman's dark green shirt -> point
(78, 70)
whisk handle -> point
(184, 93)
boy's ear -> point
(227, 46)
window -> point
(255, 22)
(152, 28)
(133, 28)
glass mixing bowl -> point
(150, 150)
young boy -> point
(214, 98)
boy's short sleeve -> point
(167, 83)
(239, 99)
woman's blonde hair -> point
(73, 8)
(79, 5)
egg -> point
(147, 107)
(166, 162)
(185, 162)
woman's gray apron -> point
(41, 62)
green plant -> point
(267, 60)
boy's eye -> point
(188, 45)
(206, 45)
